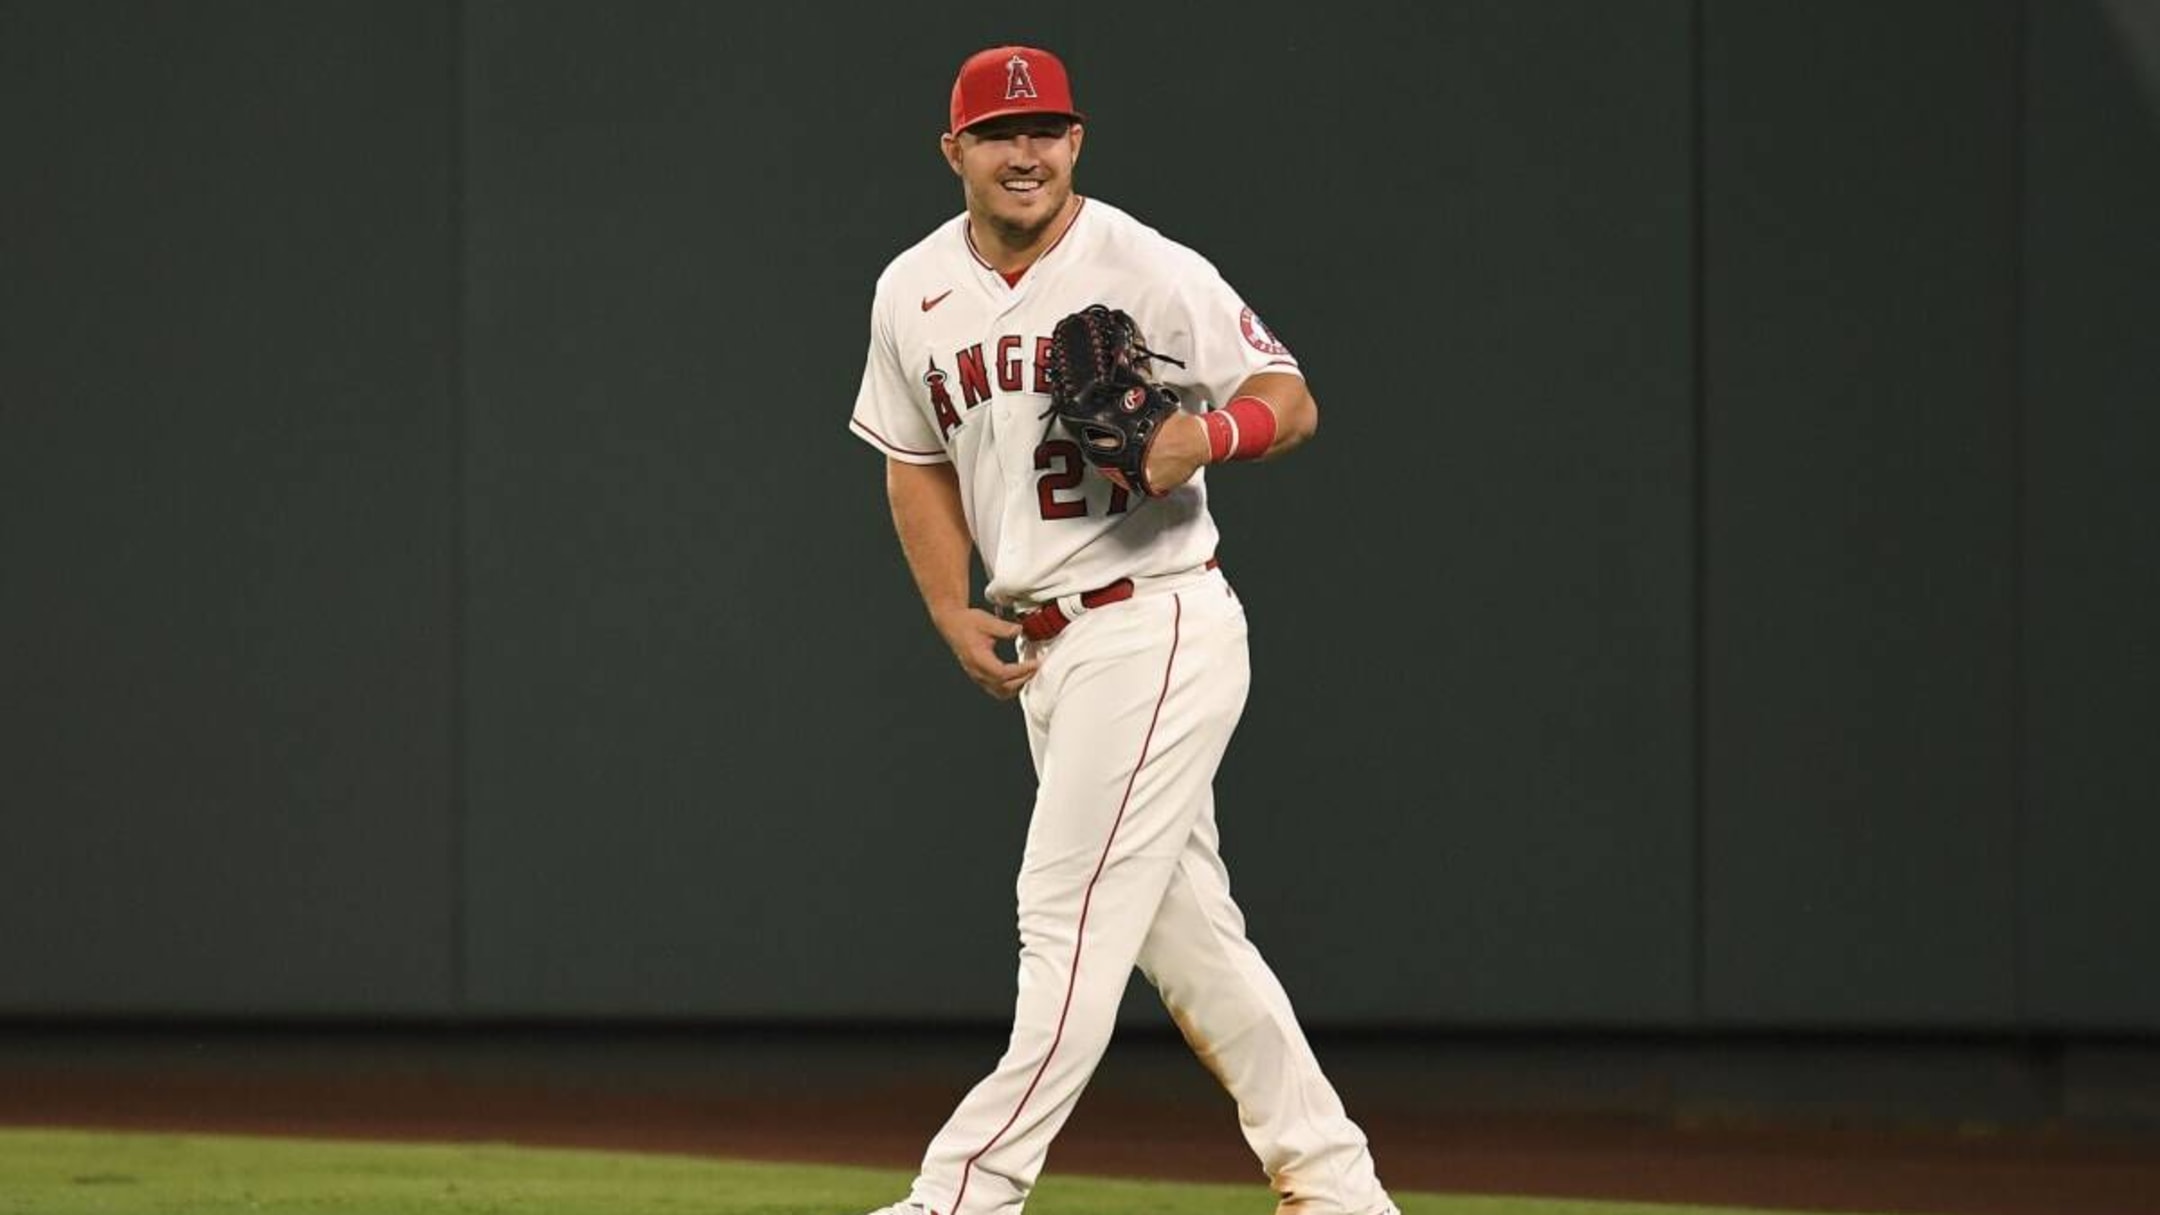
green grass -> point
(90, 1173)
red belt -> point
(1049, 620)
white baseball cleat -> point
(903, 1208)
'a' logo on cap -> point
(1017, 81)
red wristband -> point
(1242, 430)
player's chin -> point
(1027, 215)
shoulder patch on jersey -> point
(1258, 335)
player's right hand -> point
(973, 635)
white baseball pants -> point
(1128, 718)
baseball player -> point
(1129, 657)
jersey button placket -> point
(1017, 473)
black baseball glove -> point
(1103, 394)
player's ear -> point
(1079, 132)
(949, 144)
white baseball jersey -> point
(956, 372)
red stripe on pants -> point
(1072, 977)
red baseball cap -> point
(1010, 80)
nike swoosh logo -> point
(932, 301)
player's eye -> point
(1036, 130)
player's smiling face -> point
(1016, 172)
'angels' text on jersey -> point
(974, 375)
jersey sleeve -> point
(888, 415)
(1228, 341)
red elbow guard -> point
(1242, 430)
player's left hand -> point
(1102, 392)
(1177, 453)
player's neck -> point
(1010, 259)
